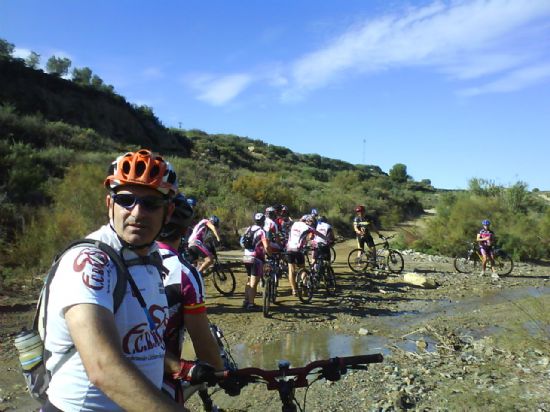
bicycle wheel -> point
(224, 280)
(358, 263)
(273, 292)
(266, 295)
(503, 263)
(330, 281)
(332, 254)
(465, 264)
(395, 261)
(305, 286)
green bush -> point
(519, 219)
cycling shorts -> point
(365, 239)
(323, 251)
(296, 258)
(254, 267)
(486, 251)
(198, 250)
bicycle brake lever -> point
(332, 373)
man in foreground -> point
(119, 359)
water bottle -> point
(30, 348)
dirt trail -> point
(468, 366)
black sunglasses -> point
(129, 201)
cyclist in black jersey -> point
(363, 225)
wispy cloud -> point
(515, 80)
(463, 39)
(484, 46)
(219, 90)
(153, 73)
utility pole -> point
(179, 124)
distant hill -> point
(54, 99)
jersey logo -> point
(141, 338)
(91, 262)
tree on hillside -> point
(398, 173)
(58, 66)
(82, 76)
(97, 82)
(33, 60)
(6, 49)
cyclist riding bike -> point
(187, 309)
(198, 245)
(362, 226)
(486, 240)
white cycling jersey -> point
(324, 228)
(297, 236)
(86, 275)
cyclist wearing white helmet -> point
(300, 232)
(117, 360)
(198, 241)
(486, 240)
(254, 260)
(321, 246)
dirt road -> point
(469, 344)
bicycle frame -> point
(271, 280)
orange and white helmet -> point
(142, 168)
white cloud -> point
(515, 80)
(219, 90)
(463, 39)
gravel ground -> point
(469, 344)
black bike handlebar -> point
(331, 370)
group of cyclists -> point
(129, 357)
(275, 232)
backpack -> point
(247, 240)
(30, 343)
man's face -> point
(139, 221)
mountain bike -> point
(309, 279)
(222, 275)
(471, 260)
(361, 260)
(271, 282)
(286, 379)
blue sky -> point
(452, 89)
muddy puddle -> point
(300, 349)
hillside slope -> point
(33, 91)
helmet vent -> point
(126, 167)
(154, 171)
(140, 168)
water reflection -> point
(300, 349)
